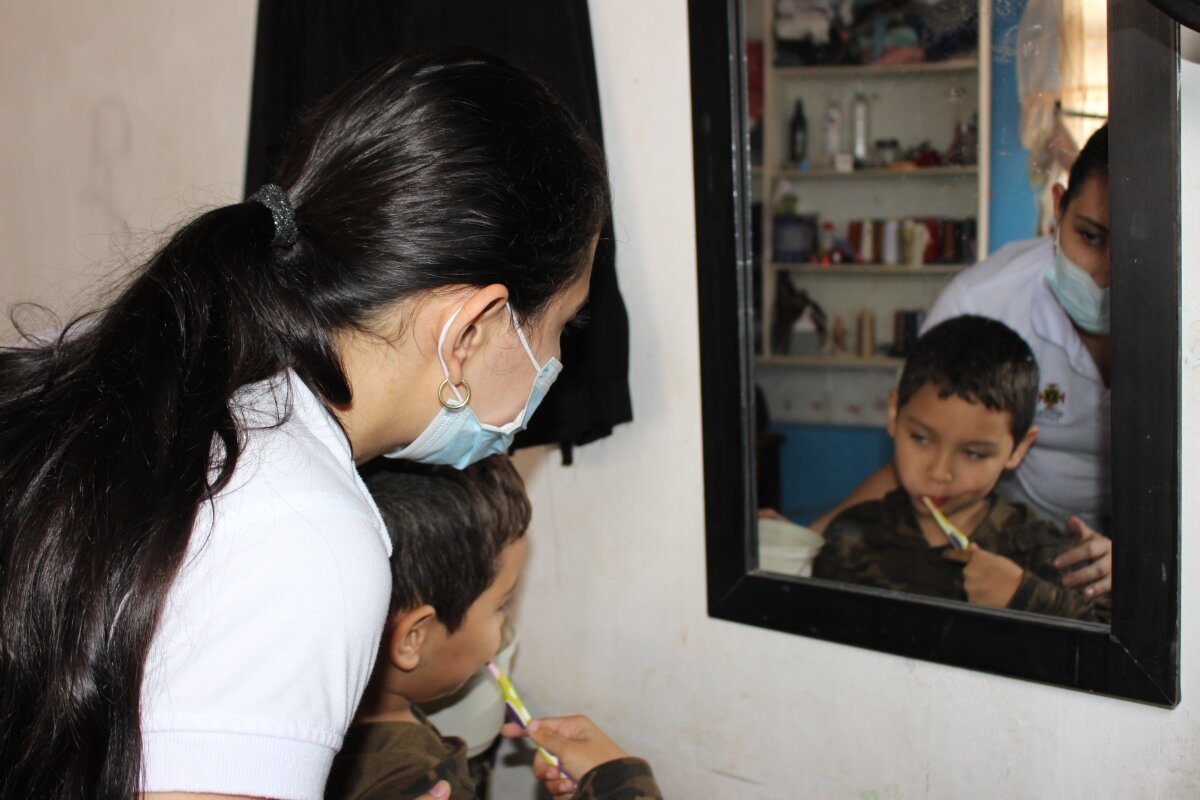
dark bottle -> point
(798, 144)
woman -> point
(194, 577)
(1054, 293)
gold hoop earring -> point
(454, 405)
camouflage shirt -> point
(400, 761)
(880, 544)
(394, 760)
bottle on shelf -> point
(861, 122)
(798, 142)
(833, 129)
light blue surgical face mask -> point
(1085, 302)
(456, 436)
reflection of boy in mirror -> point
(458, 546)
(961, 417)
(1053, 291)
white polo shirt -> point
(272, 625)
(1067, 470)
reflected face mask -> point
(1085, 303)
(456, 437)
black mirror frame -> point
(1137, 658)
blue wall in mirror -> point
(1013, 211)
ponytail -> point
(107, 436)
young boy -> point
(458, 546)
(961, 416)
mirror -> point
(1137, 657)
(886, 158)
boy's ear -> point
(409, 635)
(893, 411)
(1018, 453)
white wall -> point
(114, 117)
(613, 613)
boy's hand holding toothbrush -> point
(988, 579)
(578, 743)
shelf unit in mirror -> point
(816, 204)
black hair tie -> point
(282, 213)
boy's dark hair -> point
(449, 528)
(1091, 162)
(979, 360)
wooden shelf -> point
(840, 361)
(875, 173)
(890, 270)
(880, 70)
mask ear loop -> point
(521, 335)
(459, 400)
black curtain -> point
(305, 48)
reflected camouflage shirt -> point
(880, 544)
(402, 761)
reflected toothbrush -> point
(957, 538)
(520, 713)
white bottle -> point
(861, 115)
(833, 129)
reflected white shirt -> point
(1067, 470)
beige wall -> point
(115, 117)
(613, 613)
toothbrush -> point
(519, 712)
(956, 537)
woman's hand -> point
(578, 743)
(1095, 551)
(988, 579)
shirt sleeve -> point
(266, 643)
(846, 555)
(1034, 546)
(1046, 597)
(621, 779)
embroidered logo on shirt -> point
(1049, 401)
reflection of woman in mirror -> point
(1054, 293)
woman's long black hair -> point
(434, 169)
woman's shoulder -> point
(295, 459)
(1014, 266)
(294, 498)
(1002, 286)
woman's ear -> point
(481, 308)
(1057, 191)
(409, 636)
(1018, 454)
